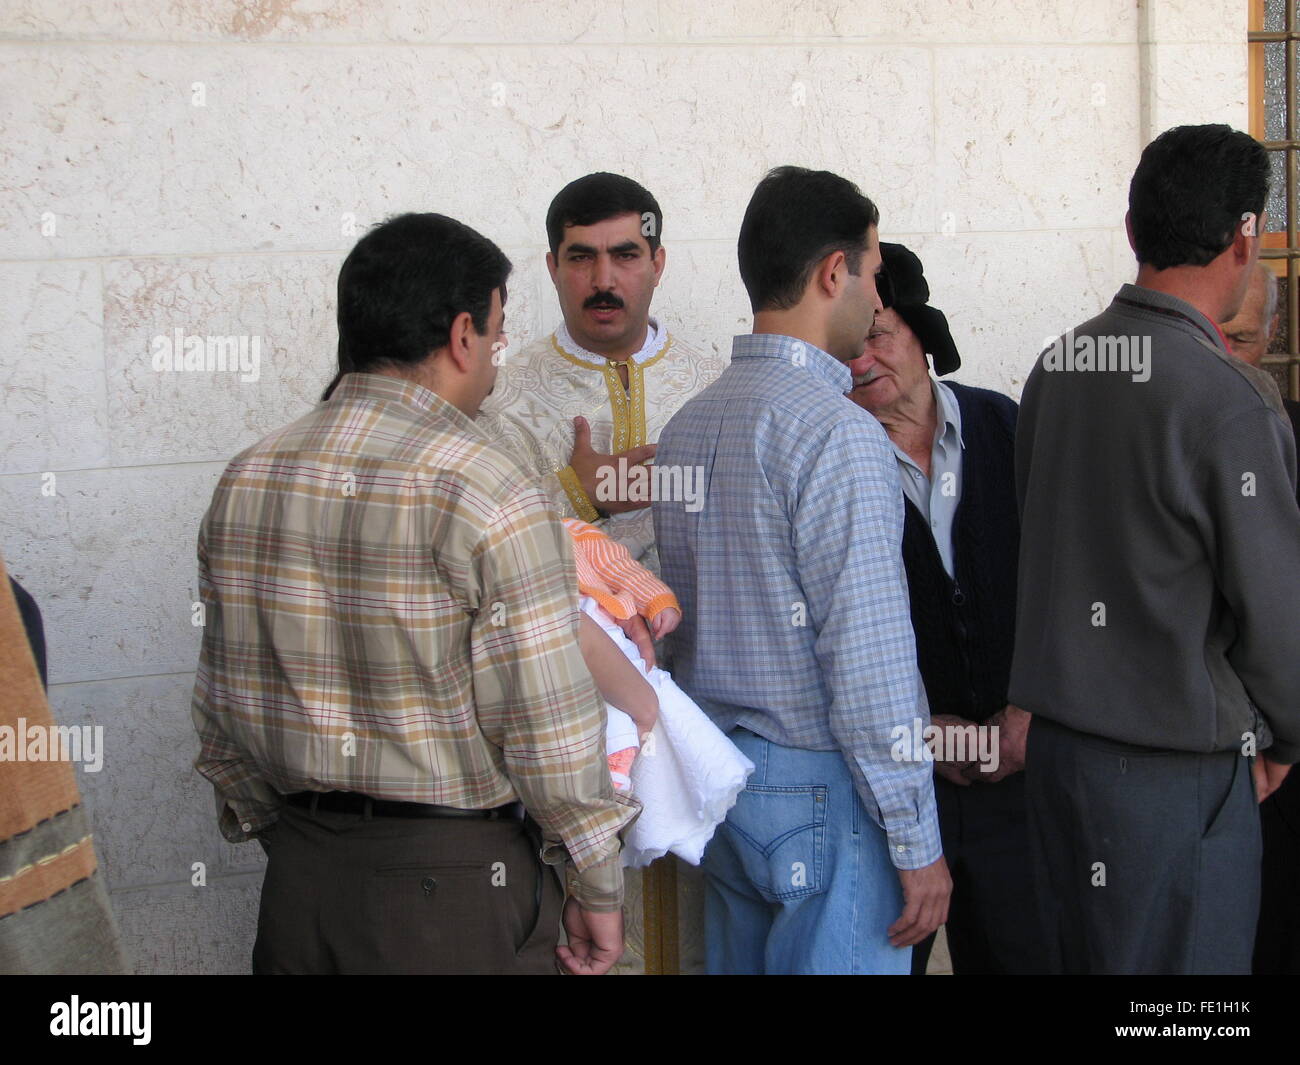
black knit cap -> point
(907, 293)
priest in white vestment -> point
(622, 374)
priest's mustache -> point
(603, 299)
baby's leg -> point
(620, 747)
(620, 768)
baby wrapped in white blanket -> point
(681, 767)
(687, 774)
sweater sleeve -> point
(624, 575)
(1243, 499)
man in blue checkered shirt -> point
(796, 636)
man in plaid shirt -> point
(391, 695)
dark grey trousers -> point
(992, 926)
(344, 894)
(1145, 861)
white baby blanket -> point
(687, 775)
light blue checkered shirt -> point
(796, 621)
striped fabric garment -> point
(391, 609)
(608, 573)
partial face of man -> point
(856, 308)
(1248, 333)
(1252, 229)
(486, 346)
(605, 276)
(892, 366)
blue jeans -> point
(798, 878)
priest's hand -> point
(587, 464)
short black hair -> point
(1190, 190)
(599, 196)
(795, 219)
(404, 283)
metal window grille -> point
(1274, 34)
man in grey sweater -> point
(1158, 635)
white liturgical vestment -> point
(543, 387)
(539, 391)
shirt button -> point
(246, 826)
(900, 848)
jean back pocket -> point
(779, 833)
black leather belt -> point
(352, 802)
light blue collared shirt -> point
(937, 496)
(796, 622)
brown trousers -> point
(347, 894)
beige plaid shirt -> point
(392, 609)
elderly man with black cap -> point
(955, 447)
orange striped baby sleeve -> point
(625, 576)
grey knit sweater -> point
(1159, 579)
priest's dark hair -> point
(404, 283)
(599, 196)
(1190, 191)
(795, 219)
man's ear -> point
(1241, 245)
(550, 266)
(1128, 228)
(460, 341)
(659, 258)
(832, 272)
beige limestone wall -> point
(204, 165)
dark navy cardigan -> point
(965, 628)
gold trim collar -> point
(658, 340)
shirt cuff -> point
(577, 496)
(237, 828)
(598, 889)
(913, 848)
